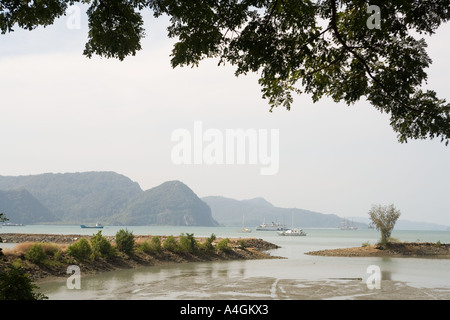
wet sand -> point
(401, 249)
(254, 288)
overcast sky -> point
(63, 112)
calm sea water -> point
(201, 280)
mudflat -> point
(401, 249)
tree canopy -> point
(384, 219)
(322, 48)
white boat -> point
(271, 227)
(245, 230)
(292, 232)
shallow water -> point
(299, 276)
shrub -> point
(36, 254)
(101, 247)
(170, 244)
(188, 243)
(365, 244)
(222, 245)
(15, 284)
(154, 246)
(125, 241)
(80, 250)
(242, 244)
(208, 244)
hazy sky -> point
(63, 112)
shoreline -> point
(253, 249)
(397, 249)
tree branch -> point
(333, 24)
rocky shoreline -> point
(240, 249)
(403, 249)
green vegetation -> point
(222, 245)
(188, 243)
(15, 284)
(384, 219)
(152, 247)
(36, 254)
(365, 244)
(242, 244)
(80, 250)
(170, 244)
(101, 247)
(125, 241)
(208, 244)
(334, 49)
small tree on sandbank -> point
(384, 219)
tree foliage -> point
(322, 48)
(15, 284)
(80, 250)
(125, 241)
(101, 247)
(384, 219)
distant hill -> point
(231, 212)
(171, 203)
(77, 197)
(19, 206)
(105, 197)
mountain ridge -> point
(253, 212)
(106, 197)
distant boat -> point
(292, 232)
(244, 229)
(9, 224)
(271, 227)
(97, 226)
(346, 226)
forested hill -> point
(171, 203)
(104, 197)
(23, 208)
(77, 197)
